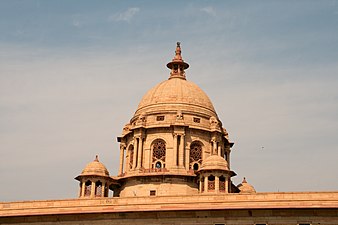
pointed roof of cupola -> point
(95, 168)
(245, 187)
(177, 65)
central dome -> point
(176, 94)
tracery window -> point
(211, 183)
(159, 151)
(222, 184)
(131, 156)
(98, 189)
(88, 188)
(195, 155)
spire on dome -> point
(178, 51)
(96, 158)
(177, 65)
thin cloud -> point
(76, 23)
(126, 16)
(209, 10)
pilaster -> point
(122, 149)
(175, 149)
(135, 153)
(139, 152)
(181, 151)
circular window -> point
(158, 165)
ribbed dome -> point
(245, 187)
(176, 94)
(95, 168)
(214, 162)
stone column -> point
(227, 152)
(206, 180)
(200, 185)
(219, 150)
(92, 191)
(139, 152)
(187, 158)
(135, 152)
(150, 159)
(126, 161)
(226, 184)
(82, 189)
(102, 190)
(122, 147)
(181, 151)
(175, 152)
(216, 183)
(142, 147)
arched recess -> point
(88, 188)
(98, 188)
(195, 155)
(158, 153)
(222, 183)
(211, 183)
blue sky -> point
(73, 72)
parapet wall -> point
(280, 200)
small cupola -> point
(94, 180)
(245, 187)
(215, 176)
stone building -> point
(175, 168)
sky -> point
(73, 72)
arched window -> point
(222, 184)
(195, 155)
(131, 156)
(159, 151)
(211, 183)
(88, 188)
(98, 189)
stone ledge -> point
(280, 200)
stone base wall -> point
(159, 185)
(281, 208)
(204, 217)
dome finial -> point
(96, 158)
(178, 52)
(177, 65)
(244, 180)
